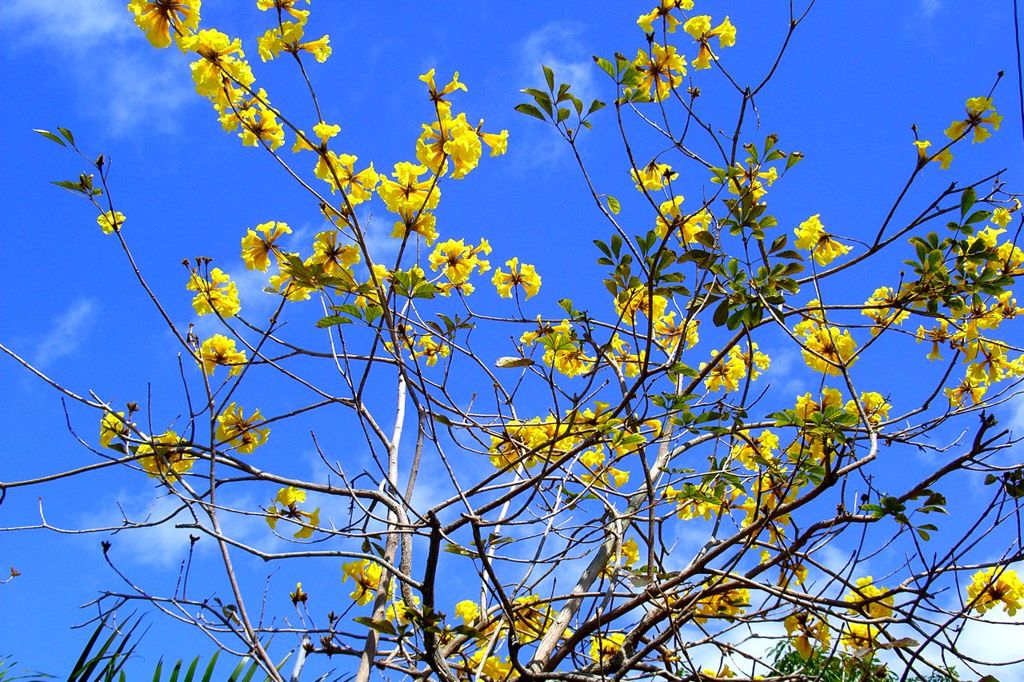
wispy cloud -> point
(142, 93)
(124, 83)
(67, 332)
(558, 46)
(78, 24)
(929, 8)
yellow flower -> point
(653, 176)
(524, 276)
(240, 431)
(868, 600)
(220, 67)
(407, 193)
(110, 221)
(218, 294)
(977, 108)
(338, 171)
(333, 257)
(113, 425)
(639, 300)
(288, 38)
(456, 261)
(996, 586)
(1001, 217)
(885, 308)
(467, 610)
(497, 142)
(165, 456)
(165, 19)
(969, 387)
(290, 498)
(859, 636)
(260, 124)
(722, 604)
(453, 139)
(700, 28)
(430, 348)
(827, 349)
(399, 612)
(661, 71)
(604, 648)
(288, 6)
(220, 350)
(811, 235)
(671, 218)
(875, 407)
(366, 575)
(805, 631)
(438, 95)
(663, 11)
(256, 249)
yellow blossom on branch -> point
(220, 350)
(110, 221)
(163, 20)
(239, 431)
(700, 28)
(260, 242)
(165, 456)
(996, 586)
(524, 276)
(218, 293)
(366, 575)
(811, 235)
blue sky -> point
(855, 78)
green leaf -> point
(510, 362)
(530, 110)
(613, 204)
(210, 666)
(378, 625)
(49, 136)
(967, 199)
(549, 77)
(332, 320)
(596, 105)
(605, 65)
(67, 135)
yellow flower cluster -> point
(241, 432)
(723, 604)
(811, 235)
(286, 506)
(869, 600)
(522, 276)
(216, 294)
(562, 348)
(456, 262)
(366, 575)
(729, 371)
(700, 28)
(661, 71)
(826, 348)
(996, 586)
(165, 456)
(220, 350)
(806, 631)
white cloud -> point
(71, 25)
(557, 46)
(137, 93)
(124, 82)
(67, 332)
(929, 8)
